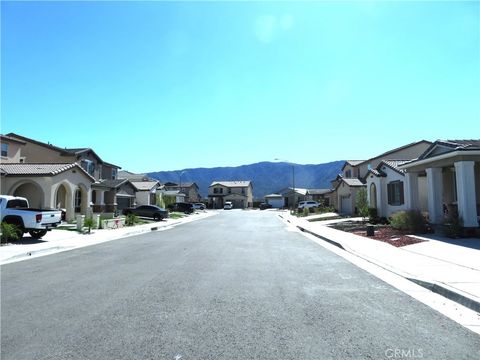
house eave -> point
(457, 153)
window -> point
(243, 191)
(4, 149)
(348, 173)
(114, 174)
(78, 201)
(88, 166)
(229, 190)
(395, 193)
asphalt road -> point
(233, 286)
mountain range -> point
(267, 177)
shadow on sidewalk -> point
(28, 241)
(472, 243)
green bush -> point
(411, 220)
(305, 212)
(131, 220)
(89, 223)
(361, 202)
(373, 216)
(9, 232)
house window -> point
(4, 149)
(218, 190)
(395, 193)
(88, 166)
(114, 174)
(243, 191)
(348, 173)
(78, 200)
(229, 190)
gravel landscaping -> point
(382, 233)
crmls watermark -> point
(404, 353)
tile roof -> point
(317, 191)
(231, 183)
(114, 183)
(355, 162)
(39, 169)
(144, 185)
(394, 165)
(353, 182)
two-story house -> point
(240, 193)
(189, 189)
(99, 195)
(354, 174)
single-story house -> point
(452, 170)
(386, 188)
(145, 192)
(56, 186)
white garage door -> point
(346, 205)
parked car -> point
(14, 210)
(149, 211)
(228, 205)
(264, 206)
(186, 208)
(307, 204)
(199, 206)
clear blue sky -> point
(171, 85)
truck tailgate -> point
(51, 217)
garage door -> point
(238, 204)
(346, 204)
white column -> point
(435, 195)
(466, 198)
(411, 191)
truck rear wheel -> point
(37, 234)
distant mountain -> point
(267, 177)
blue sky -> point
(171, 85)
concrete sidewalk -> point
(61, 240)
(449, 269)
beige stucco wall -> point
(47, 186)
(14, 151)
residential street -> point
(233, 286)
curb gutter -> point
(432, 286)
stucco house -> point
(100, 193)
(190, 189)
(452, 172)
(354, 173)
(240, 193)
(56, 186)
(386, 188)
(145, 192)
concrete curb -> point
(58, 248)
(435, 287)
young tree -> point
(361, 202)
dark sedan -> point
(186, 208)
(149, 211)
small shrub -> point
(453, 227)
(131, 220)
(361, 202)
(9, 232)
(411, 220)
(373, 216)
(89, 223)
(305, 212)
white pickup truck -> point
(14, 210)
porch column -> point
(411, 191)
(466, 198)
(435, 194)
